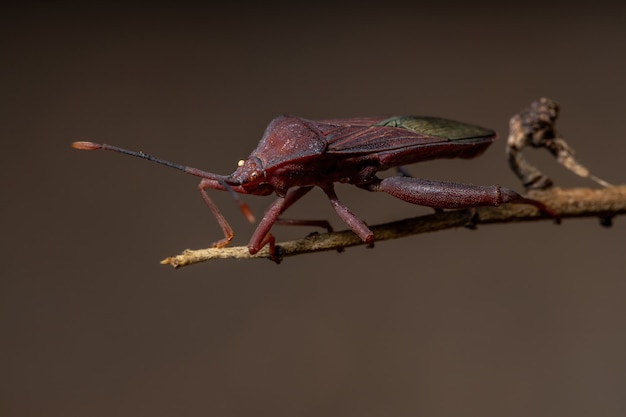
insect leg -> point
(228, 231)
(324, 224)
(261, 235)
(403, 171)
(449, 195)
(292, 198)
(348, 217)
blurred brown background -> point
(512, 320)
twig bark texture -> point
(603, 203)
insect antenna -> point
(91, 146)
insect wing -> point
(436, 126)
(402, 133)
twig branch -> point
(535, 127)
(574, 202)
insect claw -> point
(472, 219)
(606, 221)
(277, 255)
(543, 209)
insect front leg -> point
(449, 195)
(221, 220)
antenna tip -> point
(86, 146)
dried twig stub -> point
(534, 127)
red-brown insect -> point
(296, 154)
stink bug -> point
(296, 154)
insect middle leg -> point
(290, 200)
(348, 217)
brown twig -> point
(573, 202)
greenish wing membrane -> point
(435, 126)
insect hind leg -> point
(450, 195)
